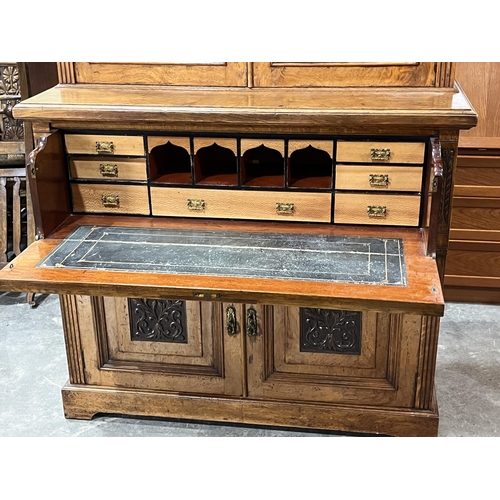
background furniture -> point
(13, 213)
(249, 242)
(473, 263)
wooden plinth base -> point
(83, 402)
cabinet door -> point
(223, 74)
(341, 74)
(333, 356)
(168, 345)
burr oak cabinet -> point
(259, 243)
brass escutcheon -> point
(285, 208)
(251, 322)
(196, 204)
(380, 154)
(110, 200)
(231, 325)
(378, 180)
(376, 211)
(104, 147)
(108, 170)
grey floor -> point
(33, 370)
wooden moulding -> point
(84, 402)
(251, 109)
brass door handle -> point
(378, 180)
(379, 154)
(251, 322)
(104, 147)
(376, 211)
(231, 324)
(108, 170)
(110, 200)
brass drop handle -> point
(378, 180)
(110, 200)
(231, 325)
(251, 322)
(104, 147)
(285, 208)
(380, 154)
(196, 204)
(376, 211)
(108, 170)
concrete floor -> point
(33, 370)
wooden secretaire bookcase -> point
(247, 242)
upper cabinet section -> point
(263, 74)
(214, 74)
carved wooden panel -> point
(10, 95)
(158, 320)
(329, 330)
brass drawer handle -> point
(104, 147)
(376, 211)
(251, 322)
(110, 200)
(231, 325)
(196, 204)
(285, 208)
(378, 180)
(108, 170)
(380, 154)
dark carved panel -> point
(330, 330)
(158, 320)
(10, 94)
(448, 156)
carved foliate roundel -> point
(330, 331)
(158, 320)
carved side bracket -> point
(437, 189)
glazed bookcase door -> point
(341, 74)
(225, 74)
(333, 356)
(168, 345)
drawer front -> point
(228, 204)
(381, 209)
(479, 262)
(479, 217)
(117, 198)
(104, 144)
(378, 178)
(478, 171)
(380, 152)
(105, 169)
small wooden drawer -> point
(382, 209)
(232, 204)
(117, 198)
(105, 169)
(380, 152)
(104, 144)
(378, 178)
